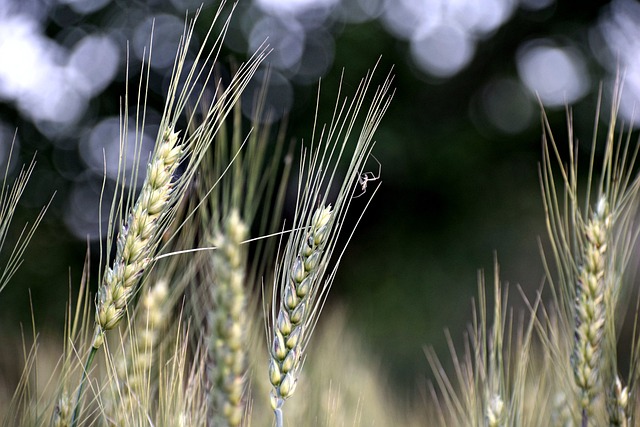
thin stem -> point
(85, 372)
(279, 420)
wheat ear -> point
(235, 181)
(490, 386)
(592, 247)
(138, 237)
(590, 310)
(294, 310)
(162, 192)
(303, 276)
(227, 323)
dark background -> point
(459, 146)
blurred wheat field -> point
(209, 305)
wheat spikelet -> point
(618, 405)
(502, 378)
(62, 412)
(495, 412)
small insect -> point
(366, 177)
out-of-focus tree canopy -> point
(459, 147)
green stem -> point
(87, 365)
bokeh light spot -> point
(57, 100)
(615, 41)
(86, 7)
(167, 31)
(443, 51)
(93, 64)
(32, 75)
(103, 145)
(85, 216)
(278, 97)
(26, 56)
(359, 11)
(557, 75)
(403, 18)
(316, 58)
(286, 37)
(279, 7)
(481, 17)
